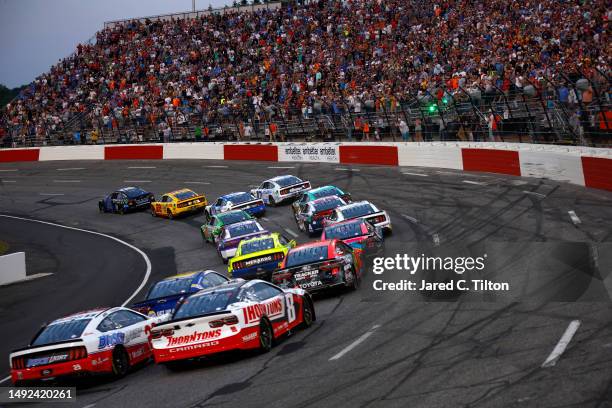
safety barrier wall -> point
(590, 167)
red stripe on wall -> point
(597, 172)
(386, 155)
(491, 161)
(133, 152)
(19, 155)
(250, 152)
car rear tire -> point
(355, 284)
(153, 213)
(266, 335)
(170, 215)
(121, 210)
(307, 314)
(271, 201)
(101, 207)
(121, 362)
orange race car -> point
(178, 202)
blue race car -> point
(126, 199)
(164, 295)
(237, 201)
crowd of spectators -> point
(287, 61)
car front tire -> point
(121, 362)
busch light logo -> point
(109, 340)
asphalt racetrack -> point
(551, 240)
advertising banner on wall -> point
(311, 152)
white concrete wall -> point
(430, 155)
(554, 166)
(12, 268)
(209, 151)
(87, 152)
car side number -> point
(290, 308)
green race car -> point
(210, 231)
(315, 193)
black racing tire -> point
(307, 314)
(170, 215)
(120, 362)
(153, 213)
(355, 284)
(121, 210)
(266, 335)
(101, 207)
(271, 201)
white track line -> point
(281, 167)
(478, 183)
(142, 167)
(354, 344)
(51, 194)
(197, 182)
(534, 193)
(5, 379)
(411, 219)
(290, 232)
(66, 181)
(145, 257)
(564, 341)
(6, 170)
(345, 169)
(136, 181)
(574, 217)
(216, 167)
(265, 219)
(8, 181)
(414, 174)
(71, 168)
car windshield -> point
(287, 181)
(239, 198)
(185, 195)
(325, 192)
(327, 204)
(170, 287)
(210, 302)
(310, 254)
(236, 230)
(134, 192)
(257, 245)
(233, 217)
(343, 231)
(65, 330)
(358, 210)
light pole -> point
(193, 5)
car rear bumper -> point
(228, 253)
(263, 271)
(94, 363)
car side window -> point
(165, 199)
(216, 279)
(265, 291)
(283, 240)
(122, 196)
(114, 195)
(107, 324)
(124, 318)
(263, 186)
(249, 294)
(219, 202)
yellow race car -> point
(177, 203)
(258, 257)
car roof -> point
(227, 213)
(245, 222)
(284, 176)
(234, 194)
(261, 237)
(349, 221)
(327, 242)
(85, 314)
(324, 199)
(322, 188)
(230, 286)
(182, 190)
(129, 188)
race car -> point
(361, 209)
(320, 265)
(211, 230)
(239, 315)
(163, 296)
(126, 199)
(358, 234)
(237, 201)
(231, 235)
(258, 257)
(278, 189)
(311, 215)
(319, 192)
(95, 341)
(178, 202)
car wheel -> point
(121, 362)
(307, 314)
(271, 201)
(170, 215)
(121, 210)
(153, 213)
(101, 207)
(355, 283)
(266, 335)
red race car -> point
(320, 265)
(358, 234)
(237, 315)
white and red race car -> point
(238, 315)
(108, 340)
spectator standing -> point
(418, 130)
(404, 130)
(366, 131)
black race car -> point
(126, 199)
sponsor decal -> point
(137, 353)
(194, 337)
(311, 284)
(249, 337)
(256, 261)
(311, 152)
(254, 312)
(61, 357)
(194, 347)
(110, 340)
(76, 367)
(306, 275)
(33, 362)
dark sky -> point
(35, 34)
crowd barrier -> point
(590, 167)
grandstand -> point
(332, 70)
